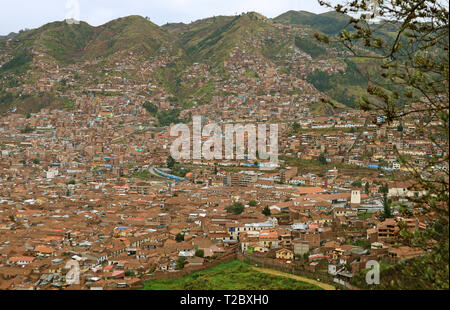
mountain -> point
(208, 41)
(11, 35)
(330, 23)
(212, 39)
(69, 43)
(130, 33)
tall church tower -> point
(356, 196)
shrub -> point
(236, 208)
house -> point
(387, 230)
(403, 253)
(44, 251)
(260, 249)
(372, 235)
(20, 260)
(339, 211)
(195, 261)
(405, 189)
(269, 238)
(286, 239)
(300, 247)
(185, 253)
(310, 190)
(284, 254)
(118, 274)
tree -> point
(409, 79)
(357, 183)
(129, 273)
(387, 213)
(27, 129)
(170, 162)
(266, 211)
(236, 208)
(296, 127)
(322, 159)
(179, 237)
(181, 262)
(306, 256)
(150, 107)
(366, 188)
(404, 211)
(384, 189)
(252, 203)
(200, 253)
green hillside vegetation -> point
(204, 48)
(66, 42)
(273, 48)
(392, 277)
(168, 117)
(11, 35)
(129, 33)
(309, 46)
(170, 78)
(330, 23)
(321, 108)
(6, 98)
(344, 87)
(19, 64)
(150, 107)
(348, 86)
(215, 40)
(69, 43)
(232, 275)
(30, 104)
(207, 41)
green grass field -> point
(232, 275)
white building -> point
(52, 172)
(355, 197)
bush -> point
(179, 237)
(169, 117)
(357, 183)
(27, 129)
(150, 107)
(6, 98)
(181, 262)
(129, 273)
(236, 208)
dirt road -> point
(325, 286)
